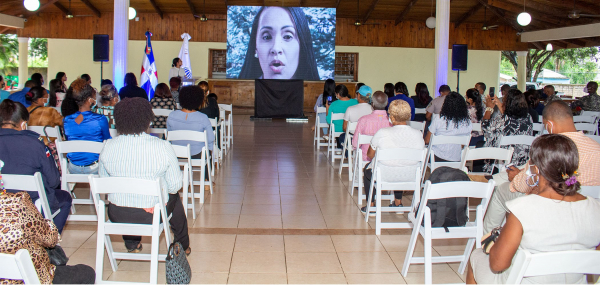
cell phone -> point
(509, 165)
(492, 91)
(329, 99)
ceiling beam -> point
(370, 10)
(536, 16)
(405, 11)
(192, 9)
(62, 8)
(538, 46)
(12, 21)
(568, 5)
(500, 15)
(28, 14)
(158, 11)
(91, 7)
(470, 13)
(576, 42)
(2, 31)
(573, 32)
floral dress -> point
(162, 103)
(504, 125)
(473, 116)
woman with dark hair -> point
(421, 100)
(476, 109)
(402, 94)
(87, 78)
(162, 100)
(514, 120)
(131, 88)
(280, 46)
(62, 77)
(553, 217)
(39, 112)
(84, 125)
(388, 89)
(343, 102)
(56, 93)
(453, 120)
(211, 109)
(108, 99)
(38, 79)
(533, 100)
(175, 83)
(176, 70)
(328, 90)
(69, 106)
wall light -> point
(549, 47)
(131, 13)
(31, 5)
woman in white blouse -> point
(176, 70)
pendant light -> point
(131, 13)
(430, 22)
(31, 5)
(524, 18)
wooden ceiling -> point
(545, 13)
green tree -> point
(536, 59)
(9, 50)
(38, 47)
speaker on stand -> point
(459, 60)
(101, 51)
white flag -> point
(184, 55)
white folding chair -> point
(420, 111)
(495, 153)
(228, 124)
(185, 160)
(476, 127)
(517, 139)
(162, 112)
(527, 264)
(590, 191)
(198, 165)
(160, 132)
(590, 113)
(356, 179)
(417, 125)
(126, 185)
(18, 266)
(584, 119)
(53, 132)
(538, 129)
(68, 180)
(217, 146)
(347, 146)
(113, 133)
(379, 184)
(587, 128)
(421, 221)
(33, 183)
(463, 141)
(319, 141)
(332, 144)
(594, 137)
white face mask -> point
(585, 90)
(531, 177)
(549, 127)
(389, 119)
(24, 126)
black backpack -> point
(449, 212)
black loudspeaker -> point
(459, 57)
(101, 47)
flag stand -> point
(101, 72)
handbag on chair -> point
(177, 267)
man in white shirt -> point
(435, 106)
(353, 113)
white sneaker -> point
(326, 138)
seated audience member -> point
(340, 106)
(388, 89)
(69, 106)
(550, 94)
(435, 106)
(533, 100)
(87, 78)
(402, 93)
(503, 90)
(357, 87)
(353, 113)
(175, 83)
(328, 90)
(590, 102)
(24, 153)
(454, 120)
(162, 100)
(212, 107)
(23, 227)
(421, 99)
(38, 79)
(370, 124)
(56, 94)
(136, 154)
(539, 107)
(204, 86)
(108, 98)
(131, 88)
(19, 96)
(106, 82)
(39, 113)
(84, 125)
(476, 108)
(514, 120)
(552, 217)
(558, 119)
(3, 93)
(480, 87)
(400, 135)
(62, 78)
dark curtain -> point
(275, 98)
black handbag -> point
(177, 267)
(488, 240)
(57, 255)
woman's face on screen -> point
(277, 45)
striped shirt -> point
(589, 164)
(369, 125)
(144, 157)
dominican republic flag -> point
(184, 55)
(149, 77)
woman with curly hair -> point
(476, 109)
(453, 120)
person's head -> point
(61, 76)
(480, 86)
(592, 87)
(558, 117)
(14, 115)
(212, 100)
(515, 104)
(455, 109)
(38, 79)
(84, 94)
(422, 93)
(400, 88)
(55, 85)
(191, 97)
(358, 86)
(130, 79)
(174, 83)
(87, 78)
(106, 82)
(341, 91)
(204, 86)
(30, 83)
(504, 89)
(109, 95)
(388, 89)
(2, 83)
(549, 90)
(400, 112)
(162, 91)
(379, 101)
(444, 90)
(328, 90)
(474, 99)
(532, 97)
(133, 116)
(280, 46)
(364, 94)
(38, 96)
(177, 62)
(553, 163)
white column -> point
(120, 39)
(442, 30)
(521, 70)
(23, 55)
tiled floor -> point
(279, 214)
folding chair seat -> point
(347, 146)
(356, 178)
(420, 111)
(52, 132)
(420, 219)
(18, 266)
(162, 112)
(318, 139)
(538, 129)
(33, 183)
(228, 124)
(160, 223)
(587, 128)
(332, 150)
(417, 125)
(463, 141)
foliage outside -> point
(9, 53)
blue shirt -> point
(4, 95)
(196, 121)
(94, 127)
(408, 100)
(19, 96)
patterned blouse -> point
(23, 226)
(589, 102)
(162, 103)
(496, 127)
(473, 116)
(107, 111)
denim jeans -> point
(323, 119)
(75, 169)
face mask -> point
(47, 103)
(549, 127)
(585, 90)
(390, 120)
(531, 177)
(24, 126)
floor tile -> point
(308, 243)
(209, 278)
(259, 243)
(323, 262)
(210, 262)
(257, 278)
(382, 278)
(347, 243)
(212, 242)
(216, 221)
(261, 209)
(367, 262)
(258, 262)
(75, 238)
(303, 222)
(316, 278)
(261, 222)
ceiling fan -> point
(358, 23)
(70, 14)
(485, 25)
(203, 18)
(575, 14)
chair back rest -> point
(587, 127)
(416, 155)
(58, 109)
(178, 106)
(160, 131)
(113, 133)
(321, 110)
(460, 140)
(538, 128)
(495, 153)
(213, 123)
(185, 135)
(226, 107)
(420, 111)
(162, 112)
(18, 266)
(517, 139)
(79, 146)
(364, 139)
(594, 137)
(476, 127)
(33, 183)
(417, 125)
(468, 189)
(351, 127)
(590, 113)
(336, 116)
(182, 151)
(526, 264)
(584, 119)
(52, 132)
(590, 191)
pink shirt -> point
(369, 125)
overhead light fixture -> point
(430, 22)
(549, 47)
(524, 18)
(132, 13)
(31, 5)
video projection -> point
(280, 42)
